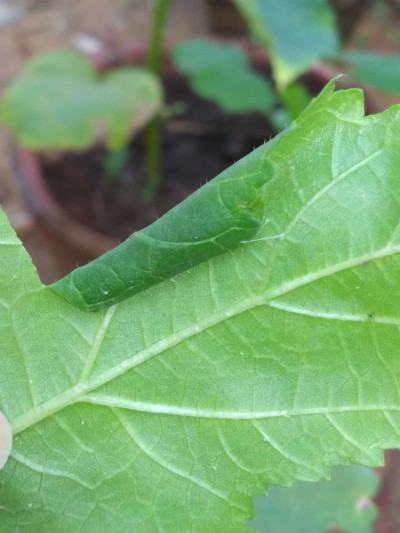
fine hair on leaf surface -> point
(271, 362)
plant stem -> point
(153, 131)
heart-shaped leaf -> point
(62, 103)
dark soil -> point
(197, 145)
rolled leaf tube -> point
(5, 440)
(216, 218)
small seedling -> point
(62, 103)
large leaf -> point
(271, 362)
(344, 501)
(296, 32)
(222, 73)
(61, 102)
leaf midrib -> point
(174, 410)
(83, 388)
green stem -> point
(153, 131)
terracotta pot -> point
(388, 497)
(30, 178)
(33, 186)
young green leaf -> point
(60, 102)
(171, 410)
(115, 162)
(344, 501)
(296, 32)
(295, 98)
(222, 73)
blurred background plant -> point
(296, 35)
(61, 103)
(343, 503)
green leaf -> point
(295, 98)
(344, 501)
(379, 71)
(171, 410)
(115, 162)
(60, 102)
(296, 32)
(215, 219)
(222, 73)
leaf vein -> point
(49, 471)
(164, 464)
